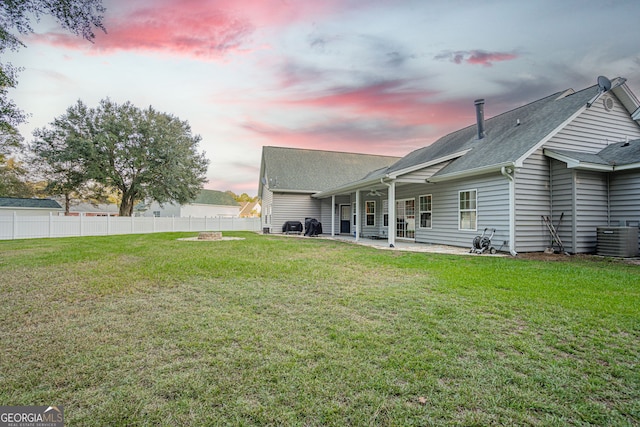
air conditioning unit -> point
(618, 241)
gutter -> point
(275, 191)
(508, 173)
(469, 172)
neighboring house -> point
(250, 209)
(208, 203)
(89, 209)
(9, 205)
(570, 155)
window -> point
(353, 209)
(425, 211)
(370, 212)
(156, 214)
(467, 208)
(385, 213)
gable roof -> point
(246, 208)
(20, 203)
(509, 137)
(213, 197)
(617, 156)
(310, 171)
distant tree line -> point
(244, 197)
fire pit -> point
(210, 235)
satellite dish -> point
(263, 180)
(604, 83)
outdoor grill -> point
(292, 227)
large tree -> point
(63, 156)
(80, 17)
(141, 154)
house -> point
(21, 206)
(289, 178)
(572, 156)
(91, 209)
(208, 203)
(250, 210)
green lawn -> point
(149, 330)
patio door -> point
(406, 219)
(345, 219)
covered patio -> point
(401, 245)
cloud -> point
(401, 100)
(202, 33)
(476, 57)
(194, 28)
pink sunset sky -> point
(369, 76)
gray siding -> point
(596, 128)
(292, 207)
(539, 193)
(582, 196)
(533, 199)
(591, 209)
(625, 197)
(562, 191)
(624, 193)
(325, 213)
(492, 210)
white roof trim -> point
(469, 172)
(360, 185)
(627, 167)
(430, 163)
(577, 164)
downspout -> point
(512, 209)
(391, 201)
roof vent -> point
(479, 103)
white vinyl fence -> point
(29, 227)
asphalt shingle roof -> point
(316, 170)
(14, 202)
(618, 154)
(505, 140)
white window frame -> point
(471, 209)
(385, 213)
(371, 214)
(354, 220)
(429, 211)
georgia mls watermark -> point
(31, 416)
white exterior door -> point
(406, 219)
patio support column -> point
(391, 228)
(357, 215)
(333, 216)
